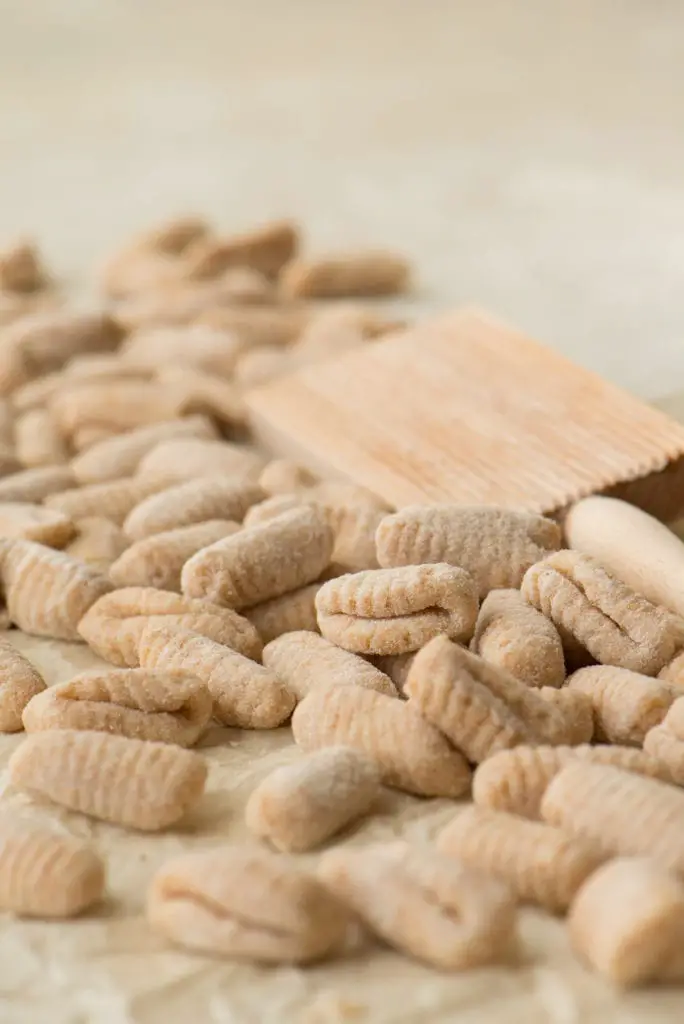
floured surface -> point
(107, 967)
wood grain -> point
(466, 409)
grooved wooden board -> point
(463, 408)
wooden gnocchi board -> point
(463, 408)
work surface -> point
(528, 157)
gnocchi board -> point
(107, 968)
(462, 408)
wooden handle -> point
(632, 545)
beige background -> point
(529, 156)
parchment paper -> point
(108, 968)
